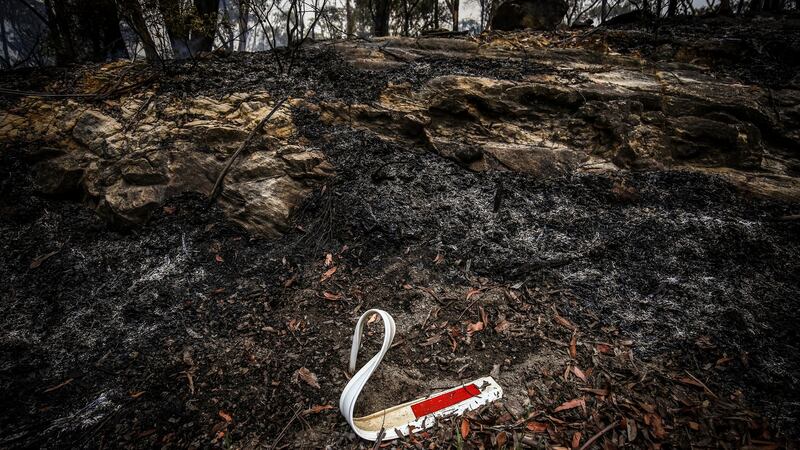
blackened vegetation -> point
(684, 258)
(772, 52)
(320, 69)
(141, 337)
(189, 332)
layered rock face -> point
(127, 161)
(561, 111)
(589, 110)
(529, 14)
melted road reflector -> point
(417, 414)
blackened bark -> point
(380, 17)
(131, 12)
(6, 58)
(351, 23)
(177, 25)
(672, 8)
(244, 16)
(190, 31)
(454, 7)
(205, 30)
(85, 30)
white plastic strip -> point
(412, 416)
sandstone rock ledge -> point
(587, 109)
(126, 161)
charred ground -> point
(672, 292)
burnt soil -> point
(673, 295)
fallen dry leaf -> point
(316, 409)
(464, 428)
(472, 292)
(502, 326)
(600, 392)
(439, 259)
(294, 324)
(722, 361)
(603, 348)
(649, 407)
(656, 425)
(331, 296)
(225, 416)
(328, 260)
(432, 340)
(690, 381)
(579, 373)
(573, 346)
(565, 323)
(484, 316)
(328, 273)
(632, 430)
(308, 376)
(576, 439)
(501, 439)
(474, 327)
(136, 394)
(571, 404)
(59, 385)
(290, 281)
(537, 427)
(40, 259)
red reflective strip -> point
(442, 401)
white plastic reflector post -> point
(412, 416)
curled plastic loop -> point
(416, 415)
(352, 390)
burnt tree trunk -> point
(85, 30)
(131, 12)
(206, 28)
(453, 5)
(192, 30)
(244, 15)
(59, 31)
(380, 17)
(672, 8)
(351, 24)
(176, 21)
(6, 56)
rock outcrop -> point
(563, 110)
(592, 111)
(127, 161)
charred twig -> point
(599, 435)
(117, 89)
(217, 185)
(139, 110)
(379, 439)
(283, 431)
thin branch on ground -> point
(218, 184)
